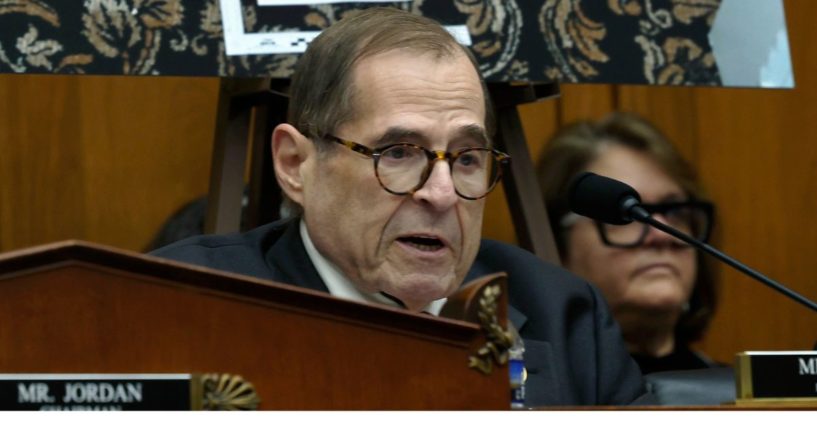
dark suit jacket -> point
(574, 353)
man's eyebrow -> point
(468, 132)
(476, 133)
(397, 135)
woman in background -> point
(660, 290)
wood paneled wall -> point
(103, 159)
(108, 159)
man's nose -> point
(438, 190)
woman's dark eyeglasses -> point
(403, 168)
(694, 218)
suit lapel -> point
(542, 386)
(517, 318)
(288, 259)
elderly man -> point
(385, 162)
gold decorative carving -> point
(227, 392)
(499, 338)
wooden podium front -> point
(75, 308)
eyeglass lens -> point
(403, 169)
(689, 219)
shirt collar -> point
(340, 286)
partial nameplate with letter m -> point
(125, 392)
(777, 378)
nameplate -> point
(125, 392)
(777, 376)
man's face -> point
(416, 247)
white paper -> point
(750, 43)
(237, 42)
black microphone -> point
(610, 201)
(601, 198)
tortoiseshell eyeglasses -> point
(403, 168)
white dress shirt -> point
(341, 287)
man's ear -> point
(292, 153)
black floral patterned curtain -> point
(615, 41)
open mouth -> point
(426, 244)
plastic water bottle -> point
(516, 366)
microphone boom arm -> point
(638, 213)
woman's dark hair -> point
(572, 149)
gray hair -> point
(323, 94)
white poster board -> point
(239, 42)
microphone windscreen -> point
(601, 198)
